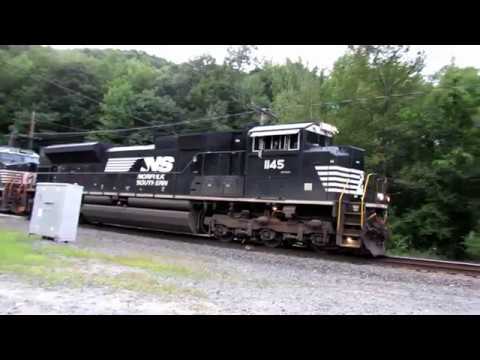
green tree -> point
(439, 187)
(242, 57)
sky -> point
(322, 56)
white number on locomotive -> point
(274, 164)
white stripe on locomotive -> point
(120, 164)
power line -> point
(344, 101)
(67, 127)
(119, 130)
(55, 83)
(76, 92)
(56, 125)
(145, 127)
(87, 97)
(416, 93)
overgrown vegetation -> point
(54, 264)
(424, 134)
(472, 244)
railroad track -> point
(454, 267)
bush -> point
(472, 245)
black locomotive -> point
(279, 185)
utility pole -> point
(31, 131)
(13, 133)
(262, 118)
(265, 114)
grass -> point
(427, 254)
(138, 262)
(54, 264)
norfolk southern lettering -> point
(275, 185)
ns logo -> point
(162, 164)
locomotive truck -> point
(279, 185)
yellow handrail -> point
(362, 210)
(340, 205)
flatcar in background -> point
(17, 179)
(279, 185)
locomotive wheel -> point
(223, 234)
(317, 242)
(317, 248)
(270, 238)
(275, 243)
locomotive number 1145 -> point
(274, 164)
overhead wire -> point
(337, 102)
(146, 127)
(380, 97)
(75, 92)
(124, 129)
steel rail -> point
(456, 267)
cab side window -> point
(293, 142)
(276, 143)
(317, 139)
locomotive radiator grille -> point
(15, 177)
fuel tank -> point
(162, 204)
(159, 219)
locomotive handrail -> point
(362, 208)
(340, 199)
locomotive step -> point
(352, 213)
(352, 223)
(351, 233)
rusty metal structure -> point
(17, 179)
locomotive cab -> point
(281, 161)
(298, 164)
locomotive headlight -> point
(380, 196)
(388, 198)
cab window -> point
(317, 139)
(276, 143)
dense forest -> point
(423, 133)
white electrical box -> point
(56, 211)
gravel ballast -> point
(242, 279)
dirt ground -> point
(142, 272)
